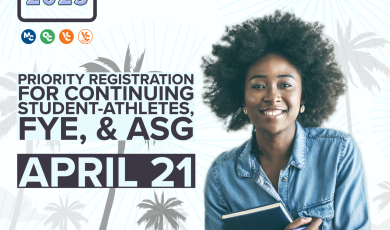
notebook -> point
(269, 217)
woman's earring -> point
(245, 110)
(302, 108)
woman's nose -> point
(272, 95)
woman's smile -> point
(273, 113)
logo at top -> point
(28, 36)
(89, 10)
(85, 36)
(66, 36)
(47, 36)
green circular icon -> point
(47, 36)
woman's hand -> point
(315, 223)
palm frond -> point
(66, 203)
(127, 67)
(156, 199)
(161, 222)
(366, 62)
(62, 205)
(368, 81)
(77, 206)
(181, 211)
(383, 196)
(174, 204)
(172, 222)
(386, 182)
(8, 84)
(8, 105)
(383, 204)
(175, 214)
(138, 64)
(384, 185)
(74, 203)
(145, 206)
(149, 201)
(75, 223)
(340, 34)
(52, 218)
(169, 200)
(156, 222)
(77, 216)
(151, 221)
(146, 217)
(12, 75)
(363, 36)
(7, 124)
(48, 70)
(109, 63)
(56, 224)
(372, 43)
(347, 35)
(162, 199)
(93, 67)
(181, 225)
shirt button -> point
(284, 179)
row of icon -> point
(48, 36)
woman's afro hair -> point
(301, 43)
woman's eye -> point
(286, 85)
(258, 86)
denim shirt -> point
(324, 178)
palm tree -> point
(94, 67)
(64, 212)
(384, 197)
(8, 108)
(160, 211)
(348, 54)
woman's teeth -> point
(273, 112)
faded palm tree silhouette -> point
(384, 197)
(160, 211)
(63, 213)
(8, 109)
(94, 67)
(349, 53)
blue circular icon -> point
(28, 36)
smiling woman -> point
(279, 74)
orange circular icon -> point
(66, 36)
(85, 36)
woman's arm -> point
(215, 205)
(350, 202)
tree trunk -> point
(18, 204)
(111, 194)
(348, 104)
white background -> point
(176, 34)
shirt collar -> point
(246, 165)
